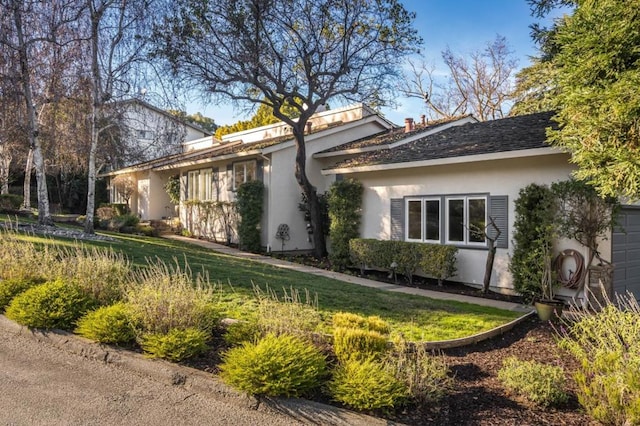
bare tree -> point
(38, 33)
(480, 84)
(117, 43)
(299, 53)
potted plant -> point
(547, 306)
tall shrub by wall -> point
(345, 208)
(532, 238)
(250, 206)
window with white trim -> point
(423, 220)
(245, 171)
(200, 185)
(458, 220)
(466, 219)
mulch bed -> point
(478, 397)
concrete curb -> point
(303, 411)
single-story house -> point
(424, 182)
(210, 171)
(434, 188)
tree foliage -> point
(263, 116)
(594, 69)
(300, 53)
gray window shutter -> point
(397, 219)
(230, 177)
(499, 210)
(215, 182)
(260, 170)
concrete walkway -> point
(279, 263)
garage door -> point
(626, 252)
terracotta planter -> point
(549, 310)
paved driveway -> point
(43, 385)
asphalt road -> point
(43, 385)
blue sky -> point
(462, 25)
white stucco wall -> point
(284, 194)
(496, 177)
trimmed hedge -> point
(437, 261)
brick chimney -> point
(423, 119)
(308, 127)
(408, 124)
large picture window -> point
(244, 171)
(459, 220)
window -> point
(466, 220)
(462, 219)
(200, 185)
(243, 172)
(423, 219)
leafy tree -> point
(263, 116)
(595, 88)
(300, 53)
(478, 85)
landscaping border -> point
(195, 380)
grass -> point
(417, 318)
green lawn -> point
(418, 318)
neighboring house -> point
(148, 132)
(437, 187)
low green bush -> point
(436, 260)
(606, 345)
(108, 324)
(240, 332)
(426, 376)
(274, 366)
(10, 203)
(359, 344)
(351, 320)
(539, 383)
(54, 304)
(12, 287)
(176, 345)
(366, 384)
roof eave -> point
(503, 155)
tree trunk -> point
(317, 225)
(26, 190)
(44, 216)
(95, 108)
(5, 163)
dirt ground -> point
(479, 398)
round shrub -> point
(539, 383)
(176, 345)
(12, 287)
(351, 320)
(54, 304)
(355, 343)
(108, 324)
(275, 365)
(366, 384)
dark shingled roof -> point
(502, 135)
(388, 137)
